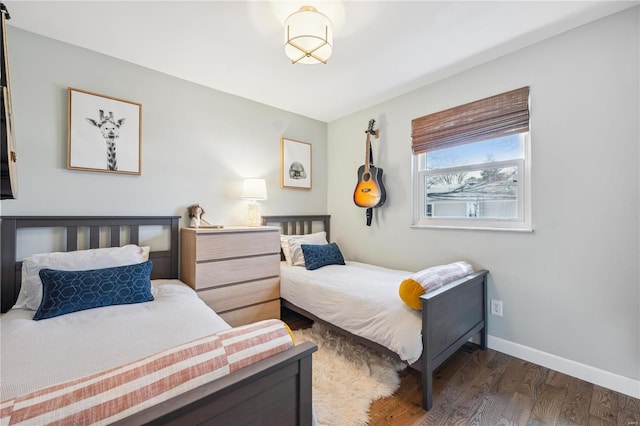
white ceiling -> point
(381, 48)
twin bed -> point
(362, 302)
(88, 343)
(274, 390)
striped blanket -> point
(110, 395)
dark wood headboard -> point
(165, 263)
(299, 224)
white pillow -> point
(30, 295)
(291, 246)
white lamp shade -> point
(308, 36)
(254, 189)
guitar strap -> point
(369, 211)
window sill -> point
(474, 228)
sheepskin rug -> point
(347, 377)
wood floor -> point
(491, 388)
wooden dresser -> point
(235, 270)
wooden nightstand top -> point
(232, 229)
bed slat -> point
(94, 237)
(134, 230)
(115, 236)
(72, 238)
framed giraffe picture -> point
(104, 133)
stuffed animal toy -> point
(196, 214)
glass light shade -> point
(254, 218)
(308, 36)
(254, 189)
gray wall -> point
(197, 143)
(570, 288)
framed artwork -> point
(295, 164)
(8, 158)
(104, 133)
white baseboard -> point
(606, 379)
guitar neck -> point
(367, 154)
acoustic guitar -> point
(8, 175)
(369, 191)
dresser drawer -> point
(263, 311)
(225, 246)
(225, 298)
(221, 272)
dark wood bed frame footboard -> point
(451, 315)
(276, 390)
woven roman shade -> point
(500, 115)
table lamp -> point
(254, 190)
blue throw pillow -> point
(319, 255)
(64, 292)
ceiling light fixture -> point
(308, 36)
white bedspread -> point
(41, 353)
(360, 298)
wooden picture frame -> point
(8, 157)
(295, 164)
(104, 133)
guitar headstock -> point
(4, 11)
(370, 130)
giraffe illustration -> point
(110, 129)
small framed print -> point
(295, 164)
(104, 133)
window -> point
(472, 165)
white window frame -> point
(523, 223)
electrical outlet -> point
(496, 307)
